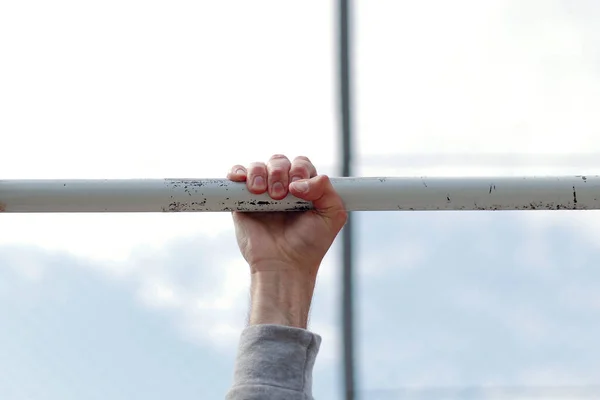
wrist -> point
(281, 297)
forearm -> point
(276, 354)
(281, 297)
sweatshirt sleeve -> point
(274, 363)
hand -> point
(284, 249)
(290, 240)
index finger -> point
(302, 168)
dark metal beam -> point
(347, 254)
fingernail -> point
(278, 188)
(295, 178)
(301, 186)
(240, 172)
(258, 182)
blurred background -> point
(446, 304)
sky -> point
(454, 304)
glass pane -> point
(478, 305)
(148, 306)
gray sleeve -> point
(274, 362)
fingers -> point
(237, 173)
(325, 199)
(302, 168)
(255, 176)
(278, 169)
(275, 176)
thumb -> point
(325, 199)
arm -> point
(276, 354)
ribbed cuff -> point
(276, 359)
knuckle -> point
(279, 168)
(256, 169)
(279, 162)
(304, 164)
(301, 169)
(302, 158)
(324, 179)
(342, 217)
(278, 172)
(278, 157)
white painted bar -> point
(359, 194)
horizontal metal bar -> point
(359, 194)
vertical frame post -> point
(347, 233)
